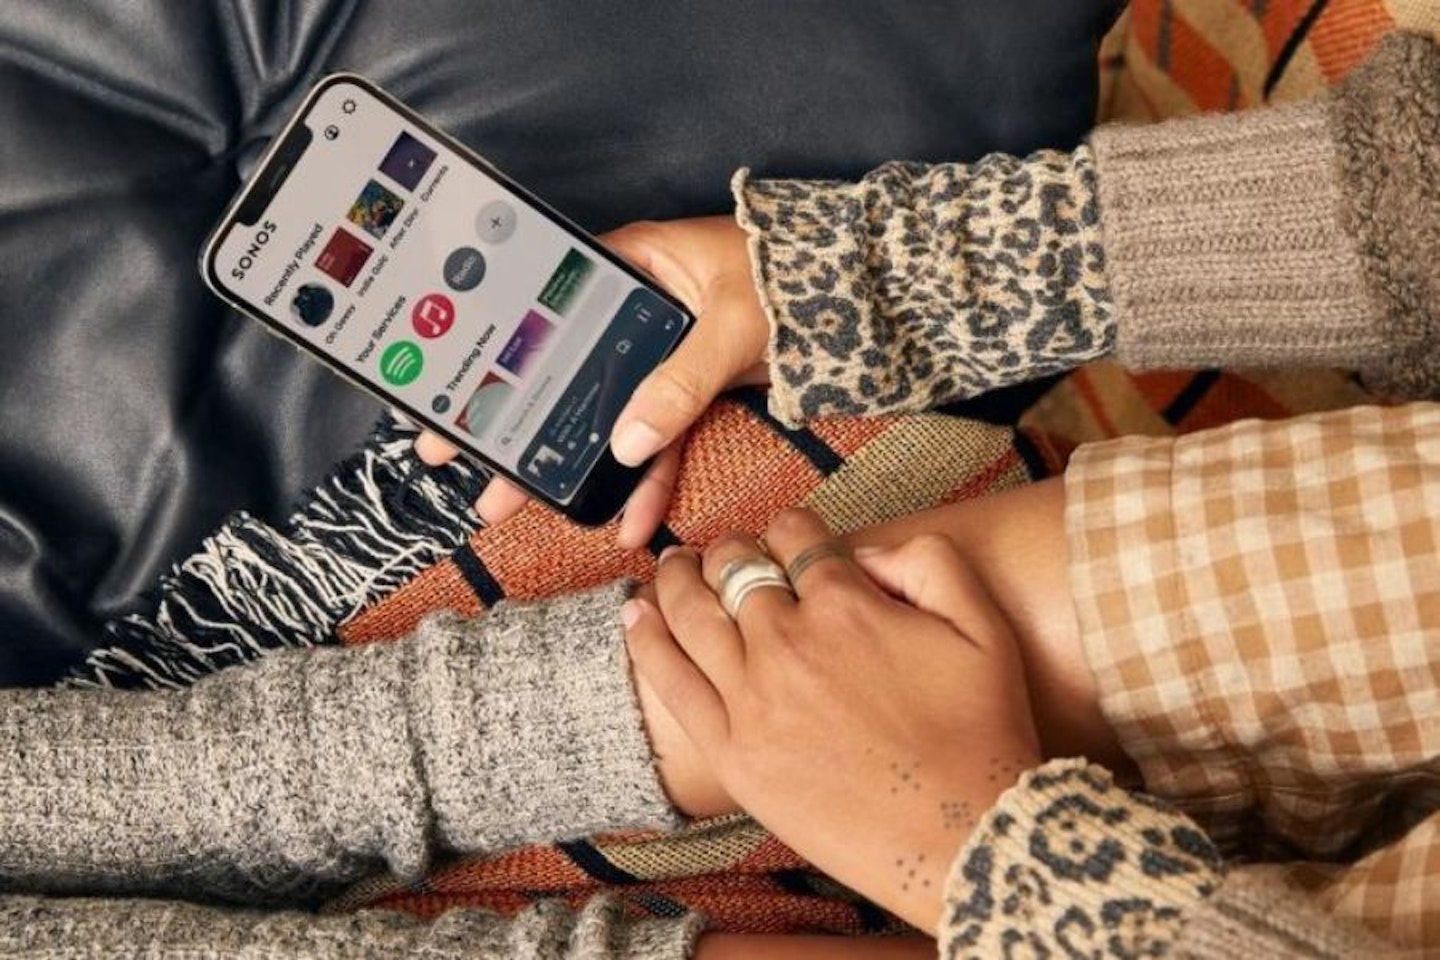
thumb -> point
(677, 392)
(672, 397)
(725, 341)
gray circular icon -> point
(464, 269)
(495, 222)
(440, 404)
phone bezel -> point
(609, 483)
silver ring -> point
(740, 576)
(825, 550)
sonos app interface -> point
(424, 276)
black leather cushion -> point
(137, 411)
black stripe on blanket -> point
(380, 517)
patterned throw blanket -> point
(385, 540)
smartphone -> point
(383, 248)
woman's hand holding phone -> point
(703, 262)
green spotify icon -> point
(401, 363)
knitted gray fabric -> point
(277, 782)
(1386, 120)
(79, 929)
(1223, 243)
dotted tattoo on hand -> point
(956, 815)
(910, 869)
(1004, 770)
(907, 778)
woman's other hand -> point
(868, 720)
(705, 264)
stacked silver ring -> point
(746, 574)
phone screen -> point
(445, 289)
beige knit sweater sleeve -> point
(1306, 235)
(1301, 235)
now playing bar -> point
(575, 433)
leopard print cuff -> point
(925, 284)
(1069, 864)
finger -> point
(766, 605)
(928, 573)
(500, 500)
(704, 631)
(681, 686)
(650, 502)
(815, 561)
(434, 449)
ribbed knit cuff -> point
(1224, 244)
(529, 725)
(1385, 119)
(1077, 864)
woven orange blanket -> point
(740, 469)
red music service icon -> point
(433, 315)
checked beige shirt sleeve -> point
(1260, 605)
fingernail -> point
(671, 550)
(867, 551)
(631, 611)
(635, 442)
